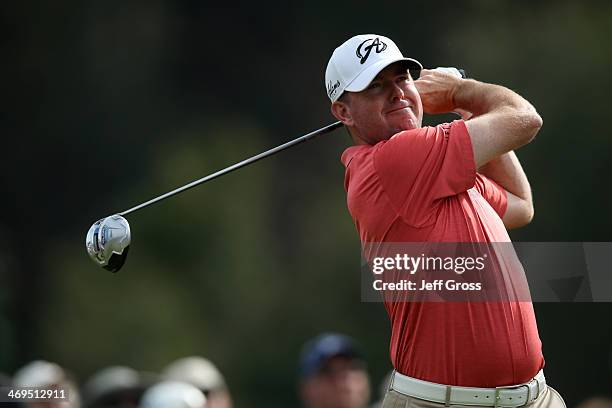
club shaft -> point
(236, 166)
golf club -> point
(108, 240)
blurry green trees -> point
(109, 104)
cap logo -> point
(363, 51)
(332, 88)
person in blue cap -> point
(333, 373)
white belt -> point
(507, 396)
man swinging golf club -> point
(455, 182)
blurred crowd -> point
(191, 382)
(332, 373)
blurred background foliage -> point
(107, 104)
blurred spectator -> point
(47, 375)
(333, 373)
(173, 394)
(596, 402)
(203, 374)
(115, 387)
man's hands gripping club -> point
(501, 120)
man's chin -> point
(407, 124)
(412, 124)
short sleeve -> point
(493, 193)
(418, 167)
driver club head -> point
(108, 241)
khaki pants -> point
(550, 398)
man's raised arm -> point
(502, 120)
(498, 121)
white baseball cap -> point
(197, 371)
(173, 394)
(355, 63)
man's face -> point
(341, 383)
(390, 104)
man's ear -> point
(342, 112)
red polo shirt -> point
(422, 186)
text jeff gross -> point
(438, 284)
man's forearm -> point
(506, 170)
(480, 97)
(501, 121)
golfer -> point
(455, 182)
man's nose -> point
(397, 93)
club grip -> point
(458, 72)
